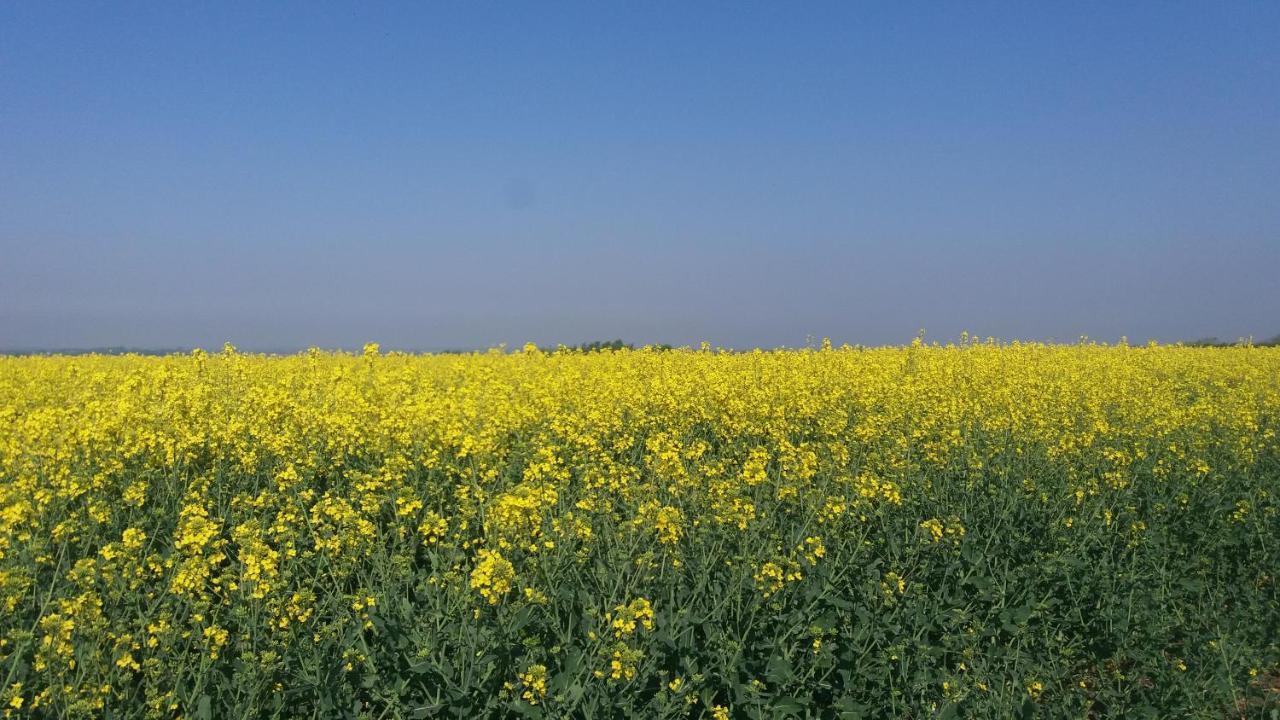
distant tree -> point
(596, 346)
(1206, 342)
(599, 345)
(1215, 342)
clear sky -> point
(434, 175)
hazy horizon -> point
(459, 176)
(809, 343)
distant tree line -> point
(601, 345)
(1215, 342)
(593, 346)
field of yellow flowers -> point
(971, 530)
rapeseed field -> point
(972, 530)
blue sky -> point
(435, 175)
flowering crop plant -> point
(979, 529)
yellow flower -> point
(534, 681)
(939, 531)
(623, 662)
(216, 638)
(814, 550)
(432, 528)
(668, 521)
(769, 578)
(891, 586)
(626, 617)
(492, 576)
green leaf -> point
(780, 670)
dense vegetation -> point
(978, 530)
